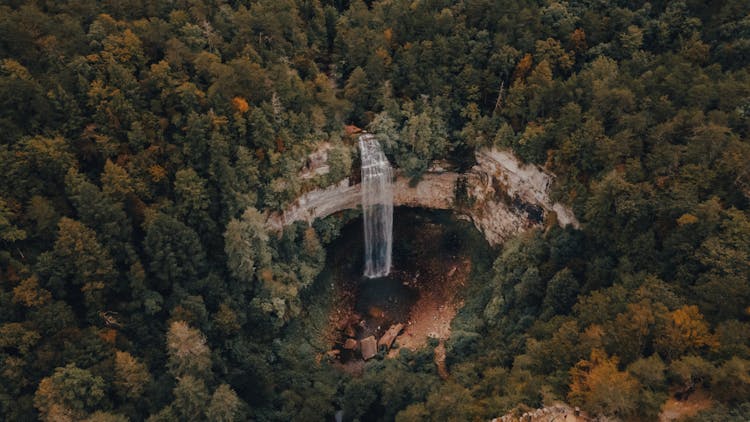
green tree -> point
(723, 288)
(78, 259)
(36, 166)
(191, 196)
(190, 398)
(44, 216)
(731, 382)
(246, 245)
(357, 91)
(192, 202)
(175, 252)
(691, 371)
(450, 402)
(70, 391)
(424, 137)
(631, 332)
(9, 232)
(651, 374)
(562, 292)
(25, 108)
(103, 214)
(15, 336)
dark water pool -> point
(382, 302)
(344, 304)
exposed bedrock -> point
(502, 197)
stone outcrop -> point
(369, 347)
(434, 190)
(317, 162)
(503, 197)
(506, 196)
(318, 203)
(387, 340)
(554, 412)
(350, 344)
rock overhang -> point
(503, 197)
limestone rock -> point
(434, 190)
(507, 197)
(369, 347)
(350, 344)
(349, 331)
(390, 336)
(317, 162)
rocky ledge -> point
(500, 195)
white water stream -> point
(377, 207)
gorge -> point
(414, 296)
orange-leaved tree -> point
(684, 331)
(600, 387)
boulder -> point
(349, 331)
(350, 344)
(390, 336)
(369, 347)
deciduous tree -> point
(131, 376)
(684, 331)
(599, 387)
(225, 406)
(71, 392)
(187, 350)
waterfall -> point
(377, 206)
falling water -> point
(377, 206)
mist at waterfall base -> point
(377, 207)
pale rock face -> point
(496, 220)
(317, 162)
(318, 203)
(434, 190)
(508, 197)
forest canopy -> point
(143, 143)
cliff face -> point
(507, 197)
(318, 203)
(503, 197)
(434, 190)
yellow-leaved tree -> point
(684, 331)
(601, 388)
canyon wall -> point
(502, 197)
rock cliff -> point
(502, 197)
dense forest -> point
(143, 143)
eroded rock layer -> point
(502, 197)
